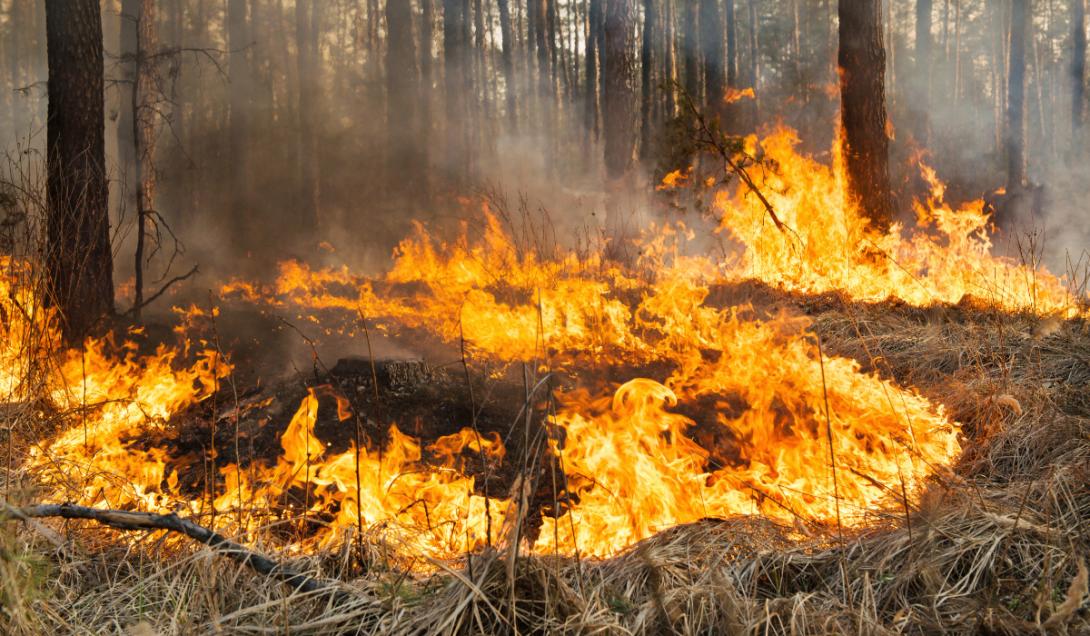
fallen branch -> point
(126, 520)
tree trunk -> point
(126, 157)
(755, 59)
(862, 60)
(646, 64)
(238, 40)
(79, 261)
(508, 37)
(1078, 62)
(309, 186)
(144, 125)
(732, 46)
(669, 63)
(691, 49)
(401, 96)
(594, 18)
(424, 123)
(1016, 97)
(619, 97)
(455, 89)
(711, 52)
(923, 67)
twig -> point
(162, 290)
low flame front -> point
(810, 438)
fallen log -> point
(128, 520)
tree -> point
(923, 63)
(508, 36)
(646, 64)
(732, 46)
(862, 60)
(239, 91)
(1078, 62)
(307, 69)
(594, 19)
(127, 66)
(711, 50)
(691, 50)
(143, 109)
(455, 89)
(401, 95)
(78, 259)
(619, 97)
(1016, 97)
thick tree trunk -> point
(401, 96)
(646, 64)
(711, 53)
(78, 258)
(862, 60)
(619, 98)
(1078, 62)
(1016, 97)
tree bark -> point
(732, 46)
(306, 140)
(691, 50)
(508, 37)
(78, 259)
(619, 98)
(646, 64)
(1016, 97)
(455, 89)
(238, 40)
(923, 66)
(401, 96)
(711, 52)
(862, 59)
(144, 136)
(1078, 62)
(594, 19)
(126, 157)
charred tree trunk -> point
(1078, 62)
(619, 97)
(646, 64)
(401, 96)
(711, 52)
(78, 259)
(923, 66)
(508, 36)
(691, 50)
(1016, 97)
(862, 61)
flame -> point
(733, 95)
(720, 410)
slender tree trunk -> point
(619, 97)
(127, 66)
(238, 39)
(863, 107)
(427, 22)
(957, 52)
(1016, 97)
(144, 125)
(691, 50)
(509, 88)
(732, 45)
(594, 18)
(646, 64)
(402, 95)
(78, 259)
(670, 63)
(711, 52)
(923, 67)
(1078, 62)
(309, 186)
(455, 86)
(755, 59)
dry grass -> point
(998, 545)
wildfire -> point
(721, 411)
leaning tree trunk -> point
(619, 99)
(862, 61)
(1078, 62)
(78, 259)
(1016, 97)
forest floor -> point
(999, 544)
